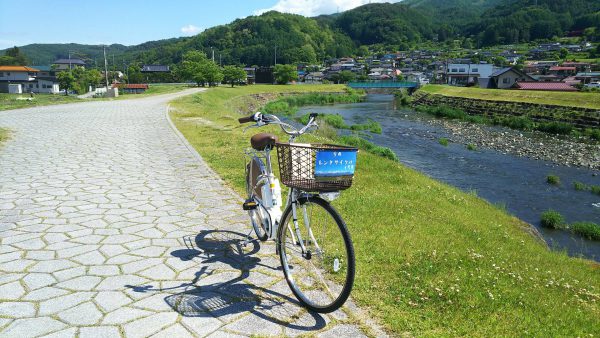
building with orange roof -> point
(23, 79)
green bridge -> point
(383, 84)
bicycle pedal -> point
(250, 205)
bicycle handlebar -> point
(264, 119)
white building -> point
(458, 74)
(22, 79)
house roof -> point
(501, 71)
(549, 86)
(42, 68)
(588, 74)
(71, 61)
(562, 68)
(155, 68)
(17, 69)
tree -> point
(563, 53)
(285, 73)
(233, 75)
(211, 73)
(66, 80)
(94, 77)
(192, 67)
(13, 57)
(343, 76)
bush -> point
(471, 146)
(579, 186)
(595, 189)
(443, 141)
(588, 230)
(552, 219)
(358, 142)
(555, 128)
(553, 179)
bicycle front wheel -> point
(316, 254)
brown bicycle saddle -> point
(263, 140)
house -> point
(155, 69)
(23, 79)
(562, 71)
(505, 78)
(580, 66)
(459, 74)
(66, 64)
(587, 77)
(545, 86)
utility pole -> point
(213, 54)
(275, 55)
(70, 61)
(220, 62)
(105, 68)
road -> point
(110, 226)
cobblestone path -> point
(110, 226)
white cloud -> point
(316, 7)
(191, 30)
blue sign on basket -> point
(335, 163)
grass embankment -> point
(569, 99)
(16, 101)
(513, 122)
(431, 260)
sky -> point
(132, 22)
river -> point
(516, 183)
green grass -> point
(15, 101)
(553, 179)
(443, 141)
(579, 186)
(471, 147)
(431, 259)
(571, 99)
(588, 230)
(552, 219)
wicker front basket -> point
(297, 167)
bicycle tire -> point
(257, 216)
(314, 290)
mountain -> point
(527, 20)
(254, 40)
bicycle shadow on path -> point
(227, 285)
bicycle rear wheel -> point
(317, 255)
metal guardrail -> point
(384, 84)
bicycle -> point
(312, 239)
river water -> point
(517, 183)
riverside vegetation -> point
(431, 259)
(553, 219)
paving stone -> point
(82, 314)
(17, 309)
(12, 290)
(32, 327)
(67, 274)
(342, 331)
(149, 325)
(52, 265)
(45, 293)
(255, 325)
(37, 280)
(104, 270)
(155, 303)
(111, 300)
(119, 282)
(176, 330)
(66, 333)
(124, 315)
(201, 326)
(55, 305)
(82, 283)
(101, 332)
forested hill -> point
(253, 40)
